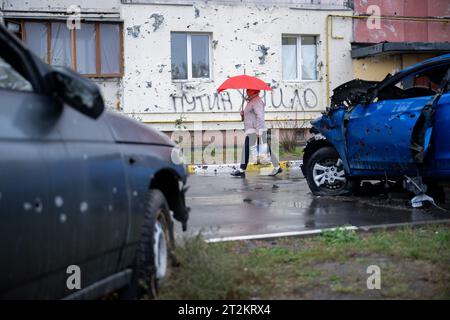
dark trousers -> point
(250, 140)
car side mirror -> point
(80, 93)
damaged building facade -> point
(161, 61)
(75, 34)
(178, 55)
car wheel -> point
(325, 173)
(155, 253)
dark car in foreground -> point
(393, 130)
(87, 196)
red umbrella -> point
(243, 82)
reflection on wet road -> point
(223, 206)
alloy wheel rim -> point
(329, 174)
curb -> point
(228, 168)
(315, 232)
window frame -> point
(189, 57)
(98, 73)
(299, 57)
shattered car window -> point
(421, 80)
(11, 79)
(420, 84)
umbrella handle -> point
(242, 105)
(243, 99)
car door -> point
(439, 165)
(98, 197)
(62, 185)
(379, 135)
(32, 154)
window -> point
(190, 56)
(290, 69)
(11, 79)
(418, 84)
(109, 43)
(86, 39)
(37, 39)
(60, 44)
(299, 57)
(94, 50)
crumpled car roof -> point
(357, 91)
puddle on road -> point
(285, 192)
(262, 205)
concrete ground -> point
(225, 206)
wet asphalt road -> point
(225, 206)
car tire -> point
(155, 255)
(327, 183)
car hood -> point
(353, 92)
(128, 130)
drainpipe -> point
(329, 34)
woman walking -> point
(255, 127)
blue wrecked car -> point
(395, 131)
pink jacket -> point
(254, 117)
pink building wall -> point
(404, 31)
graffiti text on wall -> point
(204, 102)
(277, 98)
